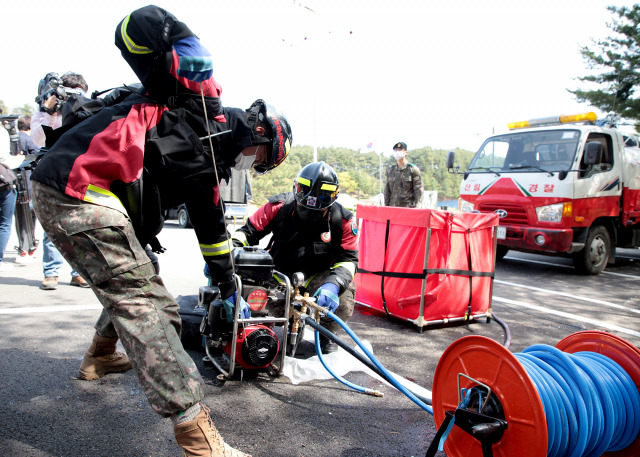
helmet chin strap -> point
(215, 170)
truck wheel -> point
(501, 251)
(183, 218)
(594, 257)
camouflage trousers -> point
(346, 301)
(100, 244)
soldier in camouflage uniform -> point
(404, 183)
(90, 199)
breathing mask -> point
(399, 154)
(244, 162)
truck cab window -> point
(541, 151)
(491, 155)
(606, 161)
(630, 141)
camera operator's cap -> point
(400, 145)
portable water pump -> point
(251, 343)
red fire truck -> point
(566, 185)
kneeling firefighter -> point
(101, 189)
(314, 234)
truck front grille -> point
(516, 215)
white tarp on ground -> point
(341, 362)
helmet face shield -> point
(321, 199)
(316, 187)
(280, 134)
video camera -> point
(30, 161)
(52, 85)
(9, 122)
(8, 118)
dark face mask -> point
(309, 216)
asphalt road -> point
(44, 411)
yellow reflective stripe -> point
(241, 237)
(304, 182)
(331, 187)
(212, 250)
(277, 278)
(129, 43)
(306, 284)
(103, 197)
(350, 266)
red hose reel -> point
(477, 360)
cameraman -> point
(50, 114)
(50, 101)
(24, 215)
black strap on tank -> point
(448, 271)
(386, 242)
(467, 315)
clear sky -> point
(443, 73)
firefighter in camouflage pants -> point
(90, 199)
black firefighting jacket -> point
(306, 248)
(144, 155)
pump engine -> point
(250, 343)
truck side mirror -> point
(450, 159)
(592, 153)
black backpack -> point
(78, 108)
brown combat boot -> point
(199, 438)
(102, 358)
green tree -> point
(617, 58)
(348, 185)
(25, 110)
(359, 173)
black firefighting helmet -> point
(316, 186)
(279, 138)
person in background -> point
(8, 196)
(313, 234)
(27, 146)
(50, 115)
(24, 216)
(101, 189)
(404, 183)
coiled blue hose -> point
(591, 404)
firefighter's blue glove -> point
(194, 61)
(207, 273)
(327, 296)
(230, 306)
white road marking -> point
(564, 294)
(605, 272)
(570, 316)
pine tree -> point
(618, 57)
